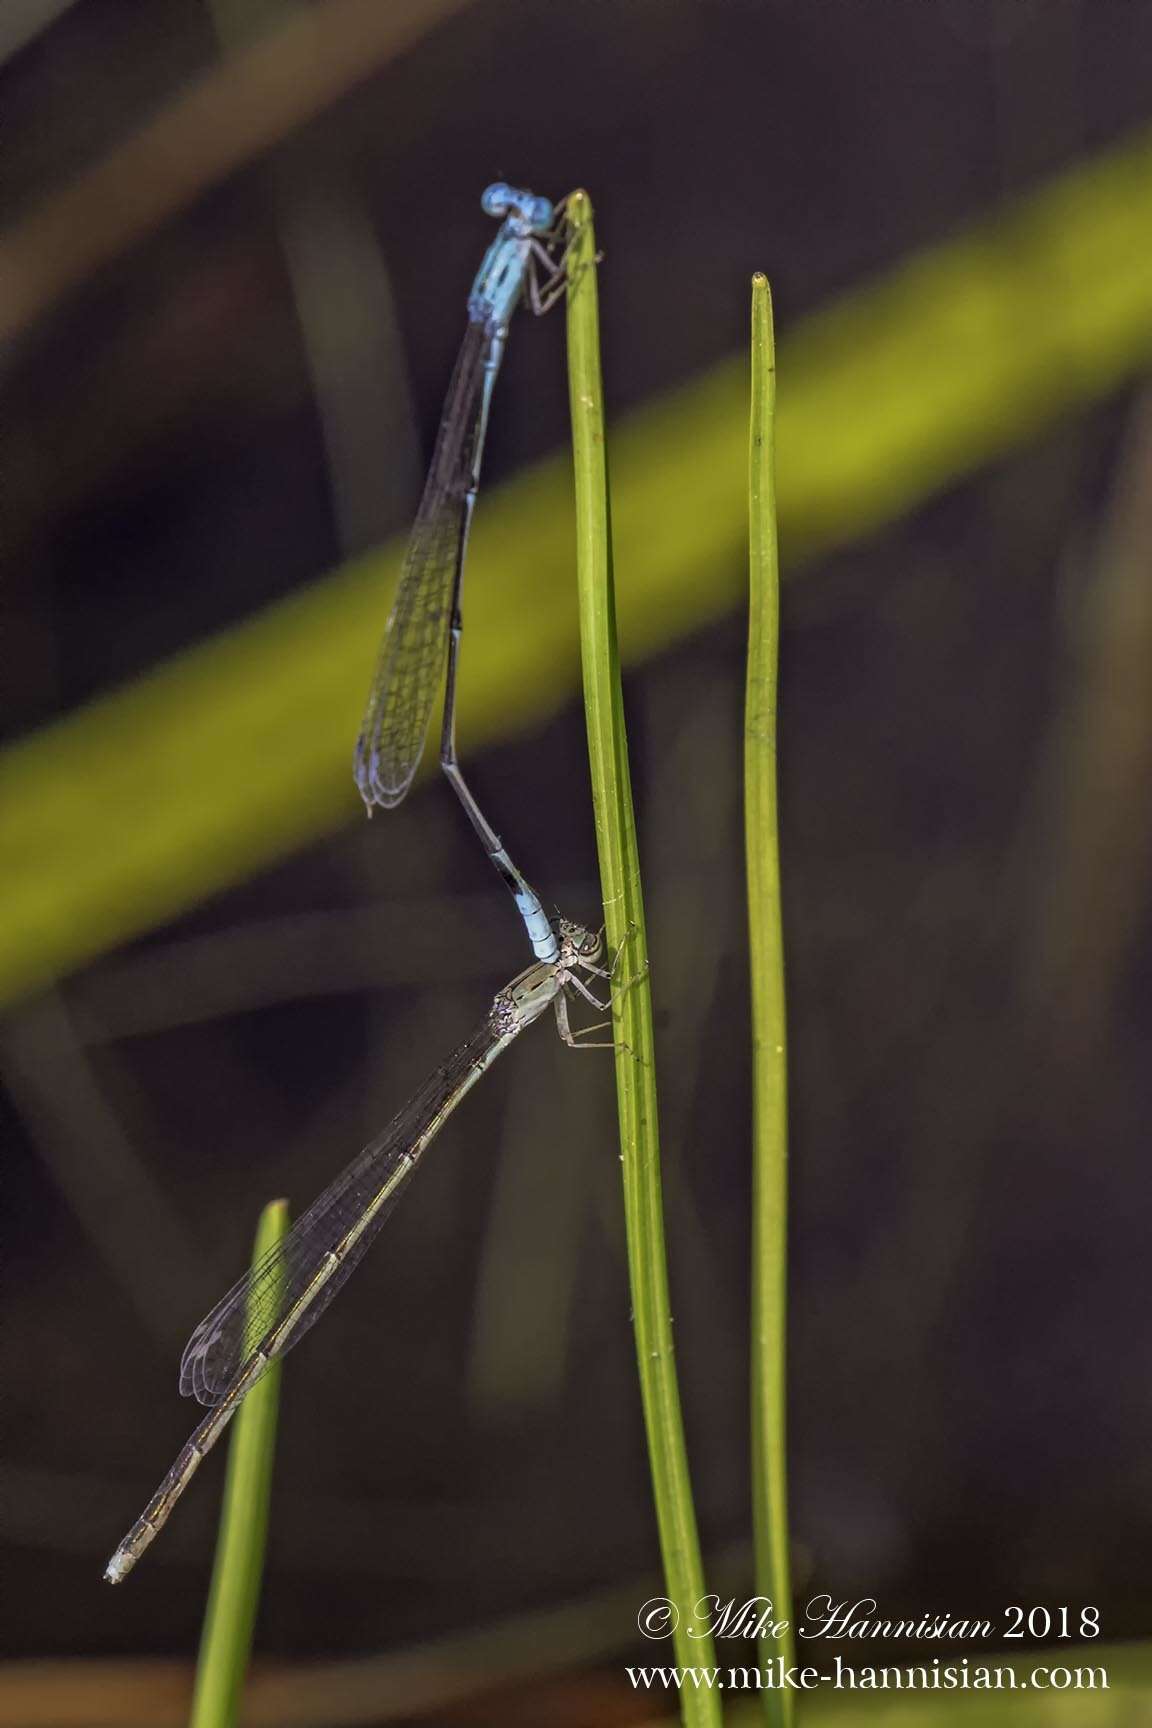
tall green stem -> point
(769, 1070)
(632, 1002)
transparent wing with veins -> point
(415, 645)
(227, 1339)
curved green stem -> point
(234, 1596)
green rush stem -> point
(769, 1075)
(234, 1596)
(632, 1002)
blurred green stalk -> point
(631, 997)
(769, 1062)
(222, 759)
(226, 1640)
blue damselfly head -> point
(535, 213)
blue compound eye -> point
(540, 214)
(496, 200)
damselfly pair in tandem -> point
(284, 1295)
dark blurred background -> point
(239, 394)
